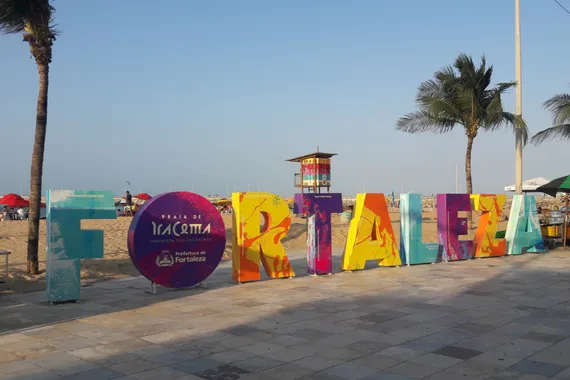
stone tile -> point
(447, 374)
(293, 353)
(96, 374)
(72, 342)
(483, 343)
(18, 366)
(257, 363)
(63, 364)
(521, 348)
(436, 361)
(555, 354)
(222, 372)
(309, 334)
(496, 358)
(476, 328)
(350, 371)
(194, 366)
(367, 347)
(382, 375)
(287, 371)
(377, 361)
(337, 340)
(230, 356)
(287, 340)
(41, 374)
(160, 373)
(103, 355)
(134, 366)
(168, 358)
(508, 375)
(261, 348)
(382, 316)
(543, 337)
(341, 353)
(538, 368)
(400, 353)
(457, 352)
(564, 375)
(473, 369)
(413, 370)
(318, 362)
(6, 356)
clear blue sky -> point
(215, 93)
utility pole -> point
(456, 179)
(518, 78)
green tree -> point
(34, 19)
(559, 107)
(462, 95)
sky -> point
(213, 96)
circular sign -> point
(177, 239)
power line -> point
(562, 6)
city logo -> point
(165, 259)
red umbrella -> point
(143, 196)
(13, 200)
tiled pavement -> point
(501, 318)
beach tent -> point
(13, 200)
(223, 202)
(530, 185)
(142, 196)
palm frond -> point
(503, 87)
(461, 94)
(559, 107)
(445, 74)
(510, 121)
(422, 121)
(559, 131)
(32, 17)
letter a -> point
(523, 231)
(370, 235)
(485, 243)
(252, 244)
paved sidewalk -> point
(501, 318)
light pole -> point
(518, 78)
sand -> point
(13, 235)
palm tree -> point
(559, 106)
(462, 97)
(34, 19)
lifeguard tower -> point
(315, 172)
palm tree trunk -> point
(37, 170)
(468, 179)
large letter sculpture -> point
(253, 244)
(485, 243)
(67, 243)
(412, 249)
(370, 234)
(450, 227)
(523, 230)
(318, 208)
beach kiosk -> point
(315, 172)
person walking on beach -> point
(129, 206)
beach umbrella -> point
(13, 200)
(559, 185)
(143, 196)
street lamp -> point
(518, 78)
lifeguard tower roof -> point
(312, 155)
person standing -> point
(129, 206)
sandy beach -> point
(117, 262)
